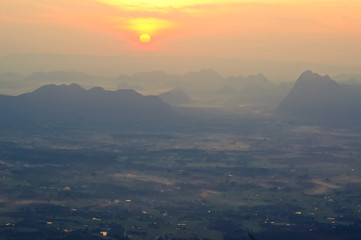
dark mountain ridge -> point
(73, 106)
(321, 100)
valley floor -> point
(262, 176)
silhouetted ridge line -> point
(73, 106)
(319, 99)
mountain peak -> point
(311, 76)
(317, 98)
(52, 88)
(307, 74)
(145, 75)
(205, 73)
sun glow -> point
(145, 38)
(324, 31)
(148, 25)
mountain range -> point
(64, 106)
(313, 99)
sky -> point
(318, 31)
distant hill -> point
(114, 65)
(71, 106)
(14, 84)
(148, 80)
(348, 78)
(254, 91)
(319, 99)
(258, 80)
(203, 80)
(204, 87)
(175, 97)
(209, 89)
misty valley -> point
(207, 158)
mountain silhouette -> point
(319, 99)
(73, 106)
(205, 79)
(15, 84)
(148, 80)
(175, 97)
(241, 82)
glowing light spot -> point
(148, 25)
(145, 38)
(144, 29)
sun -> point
(145, 38)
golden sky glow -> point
(147, 25)
(155, 5)
(318, 31)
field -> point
(263, 176)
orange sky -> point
(324, 31)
